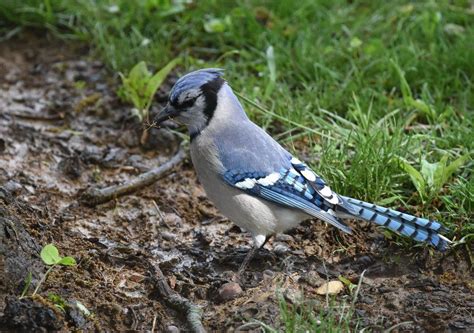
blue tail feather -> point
(417, 228)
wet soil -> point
(62, 130)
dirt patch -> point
(62, 129)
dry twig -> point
(95, 196)
(174, 300)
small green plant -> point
(432, 176)
(62, 305)
(140, 86)
(50, 256)
(58, 301)
(351, 286)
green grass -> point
(353, 86)
(304, 315)
(310, 317)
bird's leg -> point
(258, 242)
(247, 260)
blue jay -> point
(254, 181)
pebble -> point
(293, 296)
(172, 220)
(367, 300)
(172, 329)
(268, 274)
(330, 288)
(364, 261)
(283, 238)
(168, 236)
(228, 291)
(313, 279)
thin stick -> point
(174, 300)
(356, 294)
(160, 214)
(153, 325)
(94, 196)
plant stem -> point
(42, 280)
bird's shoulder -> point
(247, 147)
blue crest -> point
(194, 80)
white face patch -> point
(199, 104)
(246, 184)
(194, 116)
(269, 180)
(309, 175)
(189, 94)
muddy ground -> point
(62, 130)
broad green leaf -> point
(437, 174)
(428, 171)
(157, 80)
(50, 255)
(450, 169)
(415, 176)
(129, 92)
(138, 74)
(67, 261)
(457, 163)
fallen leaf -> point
(330, 288)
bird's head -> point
(193, 99)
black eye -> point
(173, 103)
(187, 103)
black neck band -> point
(209, 91)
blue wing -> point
(288, 188)
(320, 186)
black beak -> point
(168, 112)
